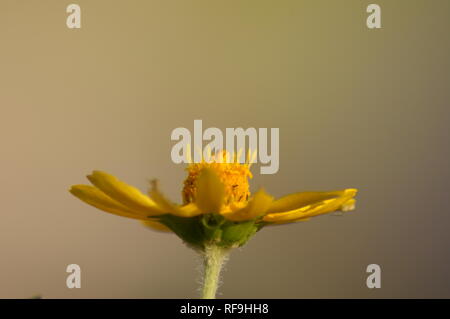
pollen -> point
(232, 174)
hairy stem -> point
(213, 260)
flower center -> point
(232, 174)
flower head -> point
(217, 205)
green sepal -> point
(189, 229)
(206, 229)
(237, 233)
(212, 227)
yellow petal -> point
(289, 216)
(348, 205)
(298, 200)
(100, 200)
(160, 200)
(314, 209)
(189, 210)
(125, 194)
(210, 192)
(332, 205)
(257, 206)
(289, 222)
(155, 225)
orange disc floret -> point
(234, 177)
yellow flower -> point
(217, 207)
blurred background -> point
(356, 108)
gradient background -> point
(355, 107)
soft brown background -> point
(355, 107)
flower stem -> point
(213, 260)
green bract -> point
(207, 229)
